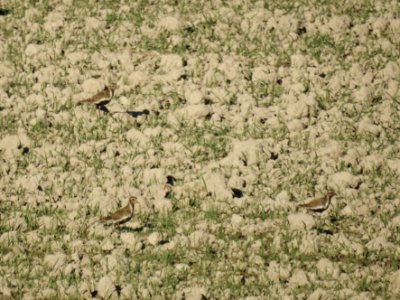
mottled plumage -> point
(319, 204)
(102, 98)
(120, 216)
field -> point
(227, 116)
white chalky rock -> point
(92, 23)
(379, 243)
(194, 293)
(32, 50)
(48, 293)
(301, 221)
(394, 165)
(170, 61)
(169, 23)
(331, 149)
(128, 239)
(162, 205)
(295, 125)
(318, 294)
(154, 177)
(92, 86)
(193, 112)
(217, 186)
(298, 61)
(47, 222)
(326, 268)
(154, 238)
(107, 245)
(248, 152)
(76, 57)
(236, 220)
(128, 293)
(299, 278)
(134, 135)
(395, 282)
(106, 288)
(54, 20)
(194, 97)
(55, 261)
(343, 180)
(10, 145)
(366, 126)
(136, 78)
(298, 109)
(197, 238)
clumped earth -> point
(228, 114)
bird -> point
(120, 216)
(319, 204)
(101, 98)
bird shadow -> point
(103, 108)
(133, 114)
(4, 12)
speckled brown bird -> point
(102, 98)
(120, 216)
(319, 204)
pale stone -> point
(170, 61)
(154, 177)
(197, 238)
(343, 180)
(194, 293)
(296, 110)
(260, 74)
(128, 293)
(134, 135)
(366, 126)
(325, 268)
(128, 239)
(136, 78)
(301, 221)
(331, 149)
(194, 97)
(48, 293)
(379, 243)
(55, 261)
(162, 205)
(92, 23)
(396, 221)
(193, 112)
(92, 86)
(236, 220)
(395, 282)
(154, 238)
(394, 165)
(170, 23)
(32, 50)
(295, 125)
(298, 61)
(107, 245)
(106, 288)
(76, 57)
(10, 144)
(319, 294)
(47, 222)
(299, 278)
(247, 152)
(53, 21)
(216, 185)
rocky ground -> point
(227, 116)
